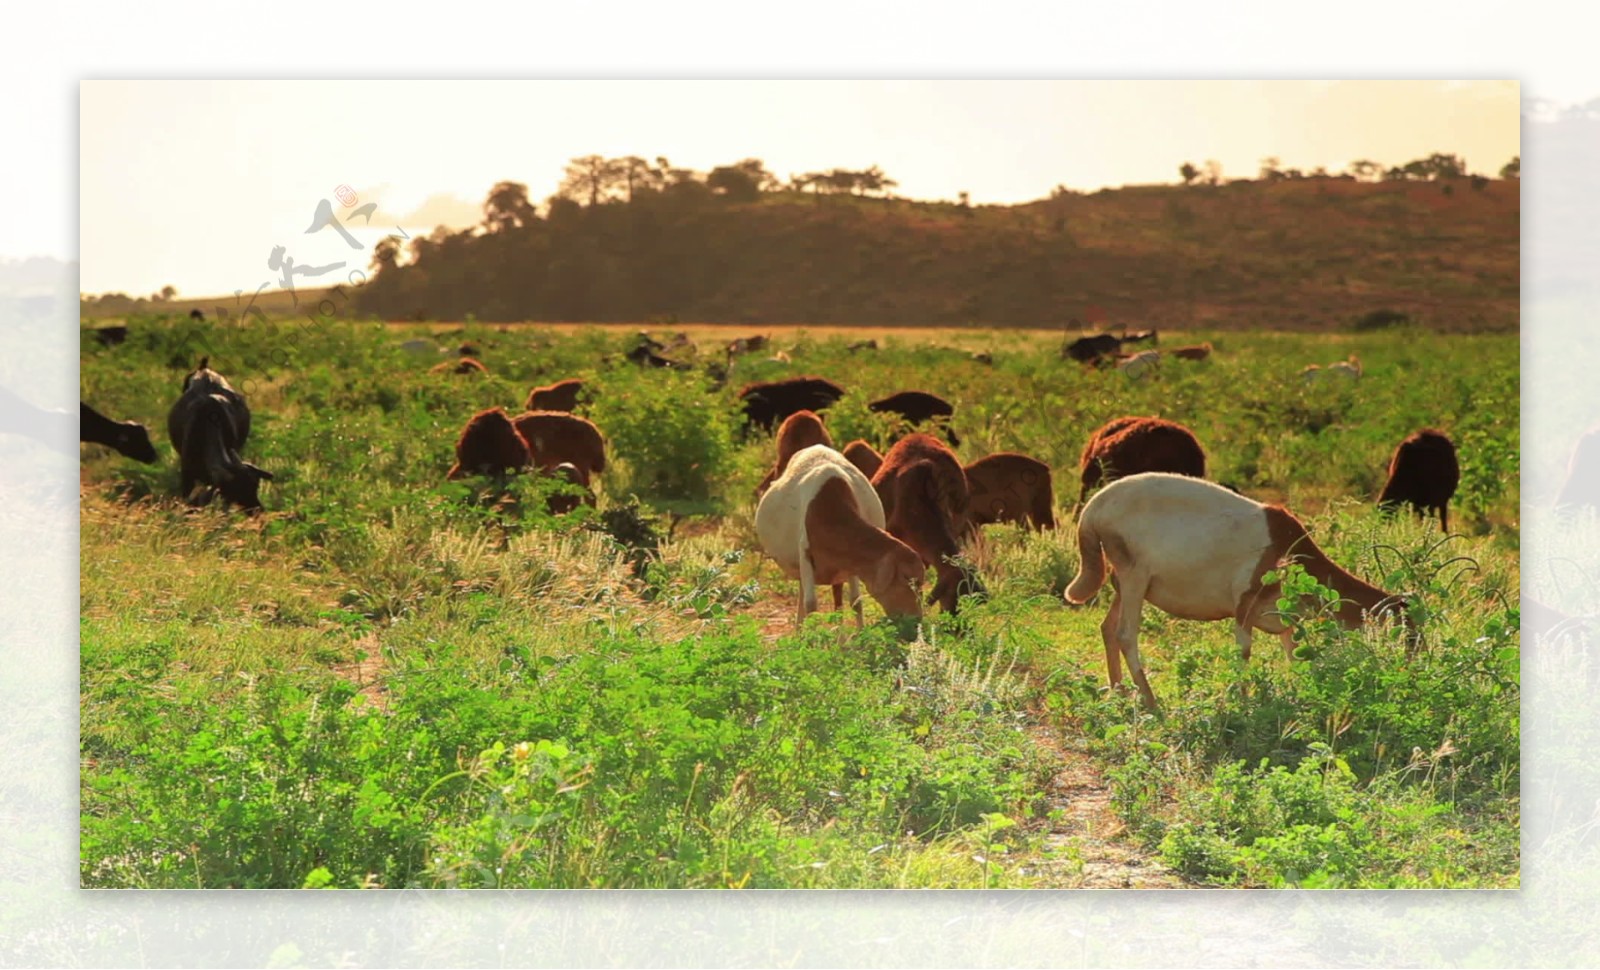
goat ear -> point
(260, 473)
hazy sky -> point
(193, 183)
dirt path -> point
(1087, 846)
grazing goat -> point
(745, 345)
(1200, 552)
(197, 314)
(799, 431)
(466, 365)
(572, 475)
(127, 437)
(1194, 352)
(917, 407)
(1086, 350)
(208, 426)
(862, 345)
(644, 356)
(766, 404)
(1424, 474)
(914, 406)
(560, 396)
(864, 457)
(489, 445)
(1582, 486)
(1141, 365)
(1349, 370)
(924, 494)
(110, 336)
(822, 523)
(555, 437)
(1008, 487)
(1128, 446)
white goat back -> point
(781, 514)
(1198, 544)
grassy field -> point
(388, 680)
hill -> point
(1295, 254)
(1301, 254)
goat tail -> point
(1091, 565)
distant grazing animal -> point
(197, 314)
(767, 404)
(489, 445)
(917, 407)
(465, 365)
(1128, 446)
(862, 345)
(644, 356)
(914, 406)
(822, 523)
(864, 457)
(555, 437)
(799, 431)
(127, 437)
(1200, 552)
(1424, 474)
(1088, 349)
(745, 345)
(110, 336)
(643, 339)
(573, 475)
(208, 427)
(1141, 365)
(560, 396)
(983, 357)
(1195, 352)
(1008, 487)
(924, 493)
(1349, 370)
(467, 350)
(1582, 486)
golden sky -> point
(193, 183)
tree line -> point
(1435, 167)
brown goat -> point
(555, 437)
(822, 523)
(924, 493)
(1130, 445)
(572, 475)
(1008, 487)
(466, 365)
(864, 457)
(489, 445)
(801, 429)
(560, 396)
(1423, 474)
(1195, 352)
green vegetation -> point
(390, 680)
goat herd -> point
(852, 516)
